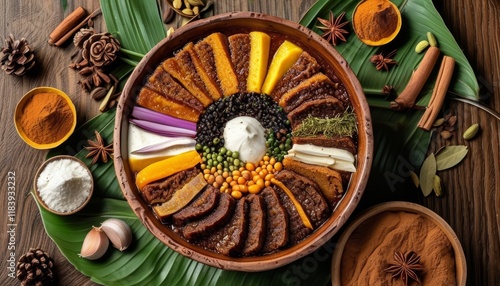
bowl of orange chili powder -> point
(45, 117)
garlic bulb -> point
(118, 232)
(95, 244)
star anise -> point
(406, 266)
(383, 62)
(333, 28)
(98, 149)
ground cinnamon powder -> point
(375, 20)
(46, 118)
(372, 245)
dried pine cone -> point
(17, 56)
(35, 268)
(101, 49)
(81, 36)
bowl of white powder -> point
(63, 185)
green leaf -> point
(427, 173)
(136, 24)
(148, 261)
(419, 17)
(450, 156)
(64, 4)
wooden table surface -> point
(472, 202)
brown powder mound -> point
(304, 68)
(317, 87)
(239, 47)
(372, 245)
(161, 82)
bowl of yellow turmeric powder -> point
(45, 117)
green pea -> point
(229, 153)
(216, 141)
(236, 155)
(223, 150)
(236, 162)
(204, 159)
(231, 168)
(198, 147)
(219, 158)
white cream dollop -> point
(246, 135)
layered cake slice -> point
(182, 69)
(316, 87)
(209, 81)
(213, 51)
(239, 47)
(155, 101)
(161, 82)
(342, 142)
(305, 67)
(319, 108)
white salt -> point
(64, 185)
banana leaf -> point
(148, 261)
(419, 17)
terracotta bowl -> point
(40, 170)
(460, 262)
(244, 21)
(22, 103)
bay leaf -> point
(427, 173)
(450, 156)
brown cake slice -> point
(298, 231)
(209, 224)
(256, 225)
(320, 108)
(305, 67)
(309, 195)
(162, 191)
(277, 227)
(328, 180)
(183, 70)
(230, 239)
(155, 101)
(341, 142)
(239, 47)
(213, 51)
(161, 82)
(316, 87)
(198, 208)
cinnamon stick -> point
(407, 97)
(67, 24)
(438, 94)
(73, 31)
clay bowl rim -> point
(310, 41)
(42, 167)
(460, 260)
(22, 103)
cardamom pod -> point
(196, 10)
(432, 39)
(187, 11)
(438, 122)
(421, 46)
(445, 134)
(187, 4)
(196, 3)
(170, 31)
(177, 4)
(471, 132)
(437, 186)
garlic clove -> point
(118, 232)
(95, 244)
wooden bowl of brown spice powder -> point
(45, 117)
(398, 243)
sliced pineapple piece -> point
(286, 55)
(259, 56)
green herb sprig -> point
(344, 124)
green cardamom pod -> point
(432, 39)
(471, 132)
(177, 4)
(421, 46)
(187, 11)
(414, 179)
(438, 122)
(437, 186)
(196, 3)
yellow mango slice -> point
(167, 167)
(286, 55)
(259, 57)
(181, 197)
